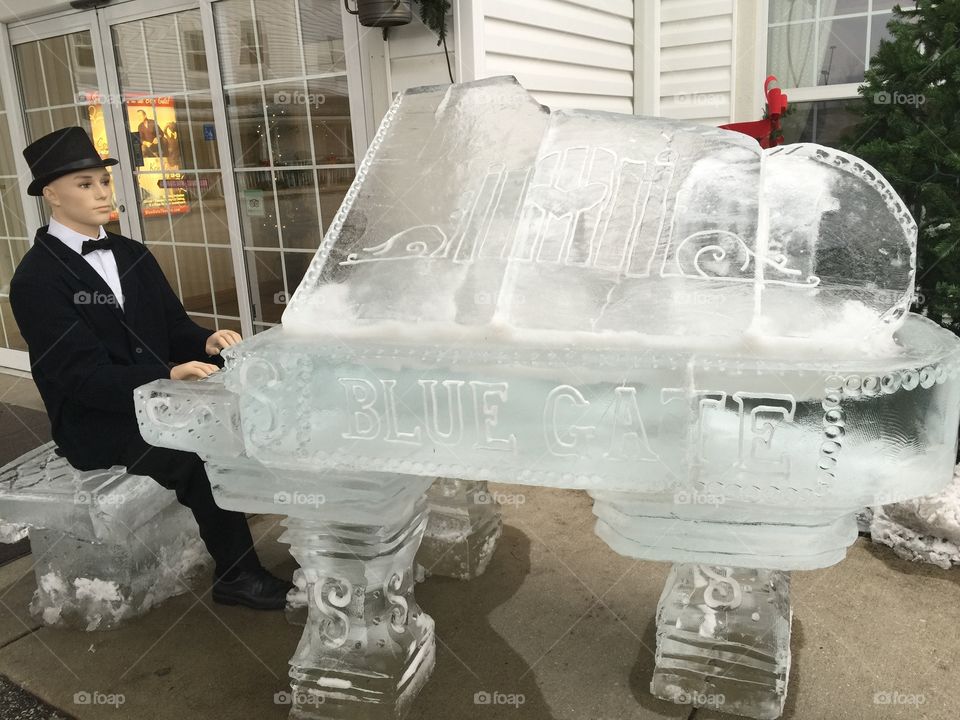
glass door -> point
(237, 124)
(292, 118)
(14, 242)
(166, 110)
(59, 72)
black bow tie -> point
(90, 245)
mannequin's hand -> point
(221, 339)
(193, 370)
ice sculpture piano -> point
(714, 340)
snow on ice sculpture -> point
(107, 545)
(711, 339)
(621, 227)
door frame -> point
(364, 98)
(16, 359)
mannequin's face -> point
(81, 200)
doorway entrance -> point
(236, 123)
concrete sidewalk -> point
(558, 618)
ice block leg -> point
(462, 530)
(90, 585)
(367, 647)
(723, 639)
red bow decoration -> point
(766, 131)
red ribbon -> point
(765, 131)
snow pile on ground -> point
(924, 529)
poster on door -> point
(98, 133)
(153, 125)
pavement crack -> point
(20, 636)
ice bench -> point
(107, 545)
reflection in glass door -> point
(167, 113)
(284, 75)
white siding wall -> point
(580, 53)
(415, 58)
(696, 59)
(568, 53)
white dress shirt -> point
(100, 260)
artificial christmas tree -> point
(910, 132)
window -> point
(819, 51)
(168, 111)
(825, 122)
(195, 57)
(291, 138)
(83, 50)
(251, 47)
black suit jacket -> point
(87, 354)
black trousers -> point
(224, 532)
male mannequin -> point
(100, 319)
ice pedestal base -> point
(92, 585)
(462, 531)
(107, 545)
(367, 647)
(463, 527)
(723, 639)
(687, 527)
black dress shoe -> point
(256, 589)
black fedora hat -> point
(61, 152)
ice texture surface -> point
(923, 529)
(703, 334)
(712, 339)
(41, 489)
(107, 545)
(477, 214)
(422, 235)
(462, 531)
(100, 585)
(11, 532)
(723, 639)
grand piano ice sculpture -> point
(711, 339)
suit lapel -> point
(73, 264)
(129, 274)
